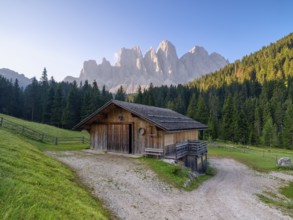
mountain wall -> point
(12, 75)
(160, 67)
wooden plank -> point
(154, 151)
(118, 138)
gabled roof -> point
(163, 118)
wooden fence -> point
(39, 136)
(198, 147)
(182, 149)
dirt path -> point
(133, 192)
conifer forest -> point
(249, 101)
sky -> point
(61, 34)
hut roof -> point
(163, 118)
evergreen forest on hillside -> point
(247, 102)
(46, 101)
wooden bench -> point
(153, 152)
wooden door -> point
(119, 138)
(99, 137)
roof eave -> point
(80, 125)
(85, 120)
(188, 129)
(141, 116)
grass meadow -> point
(36, 186)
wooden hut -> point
(130, 128)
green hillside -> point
(35, 186)
(247, 102)
(50, 130)
(272, 62)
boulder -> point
(284, 162)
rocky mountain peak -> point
(105, 62)
(167, 56)
(151, 51)
(161, 67)
(199, 51)
(151, 61)
(128, 57)
(166, 48)
(12, 75)
(90, 64)
(165, 45)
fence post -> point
(1, 121)
(56, 141)
(83, 139)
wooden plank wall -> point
(112, 133)
(118, 138)
(176, 137)
(152, 138)
(99, 137)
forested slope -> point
(47, 101)
(249, 101)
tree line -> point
(247, 113)
(248, 102)
(47, 101)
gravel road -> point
(133, 192)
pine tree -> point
(257, 127)
(96, 97)
(178, 105)
(86, 105)
(71, 114)
(138, 98)
(57, 107)
(242, 135)
(44, 79)
(120, 95)
(213, 128)
(214, 109)
(16, 100)
(268, 132)
(288, 126)
(202, 112)
(49, 102)
(151, 95)
(33, 101)
(191, 110)
(226, 122)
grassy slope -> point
(35, 186)
(50, 130)
(261, 159)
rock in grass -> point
(284, 162)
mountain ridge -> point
(9, 74)
(161, 67)
(271, 62)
